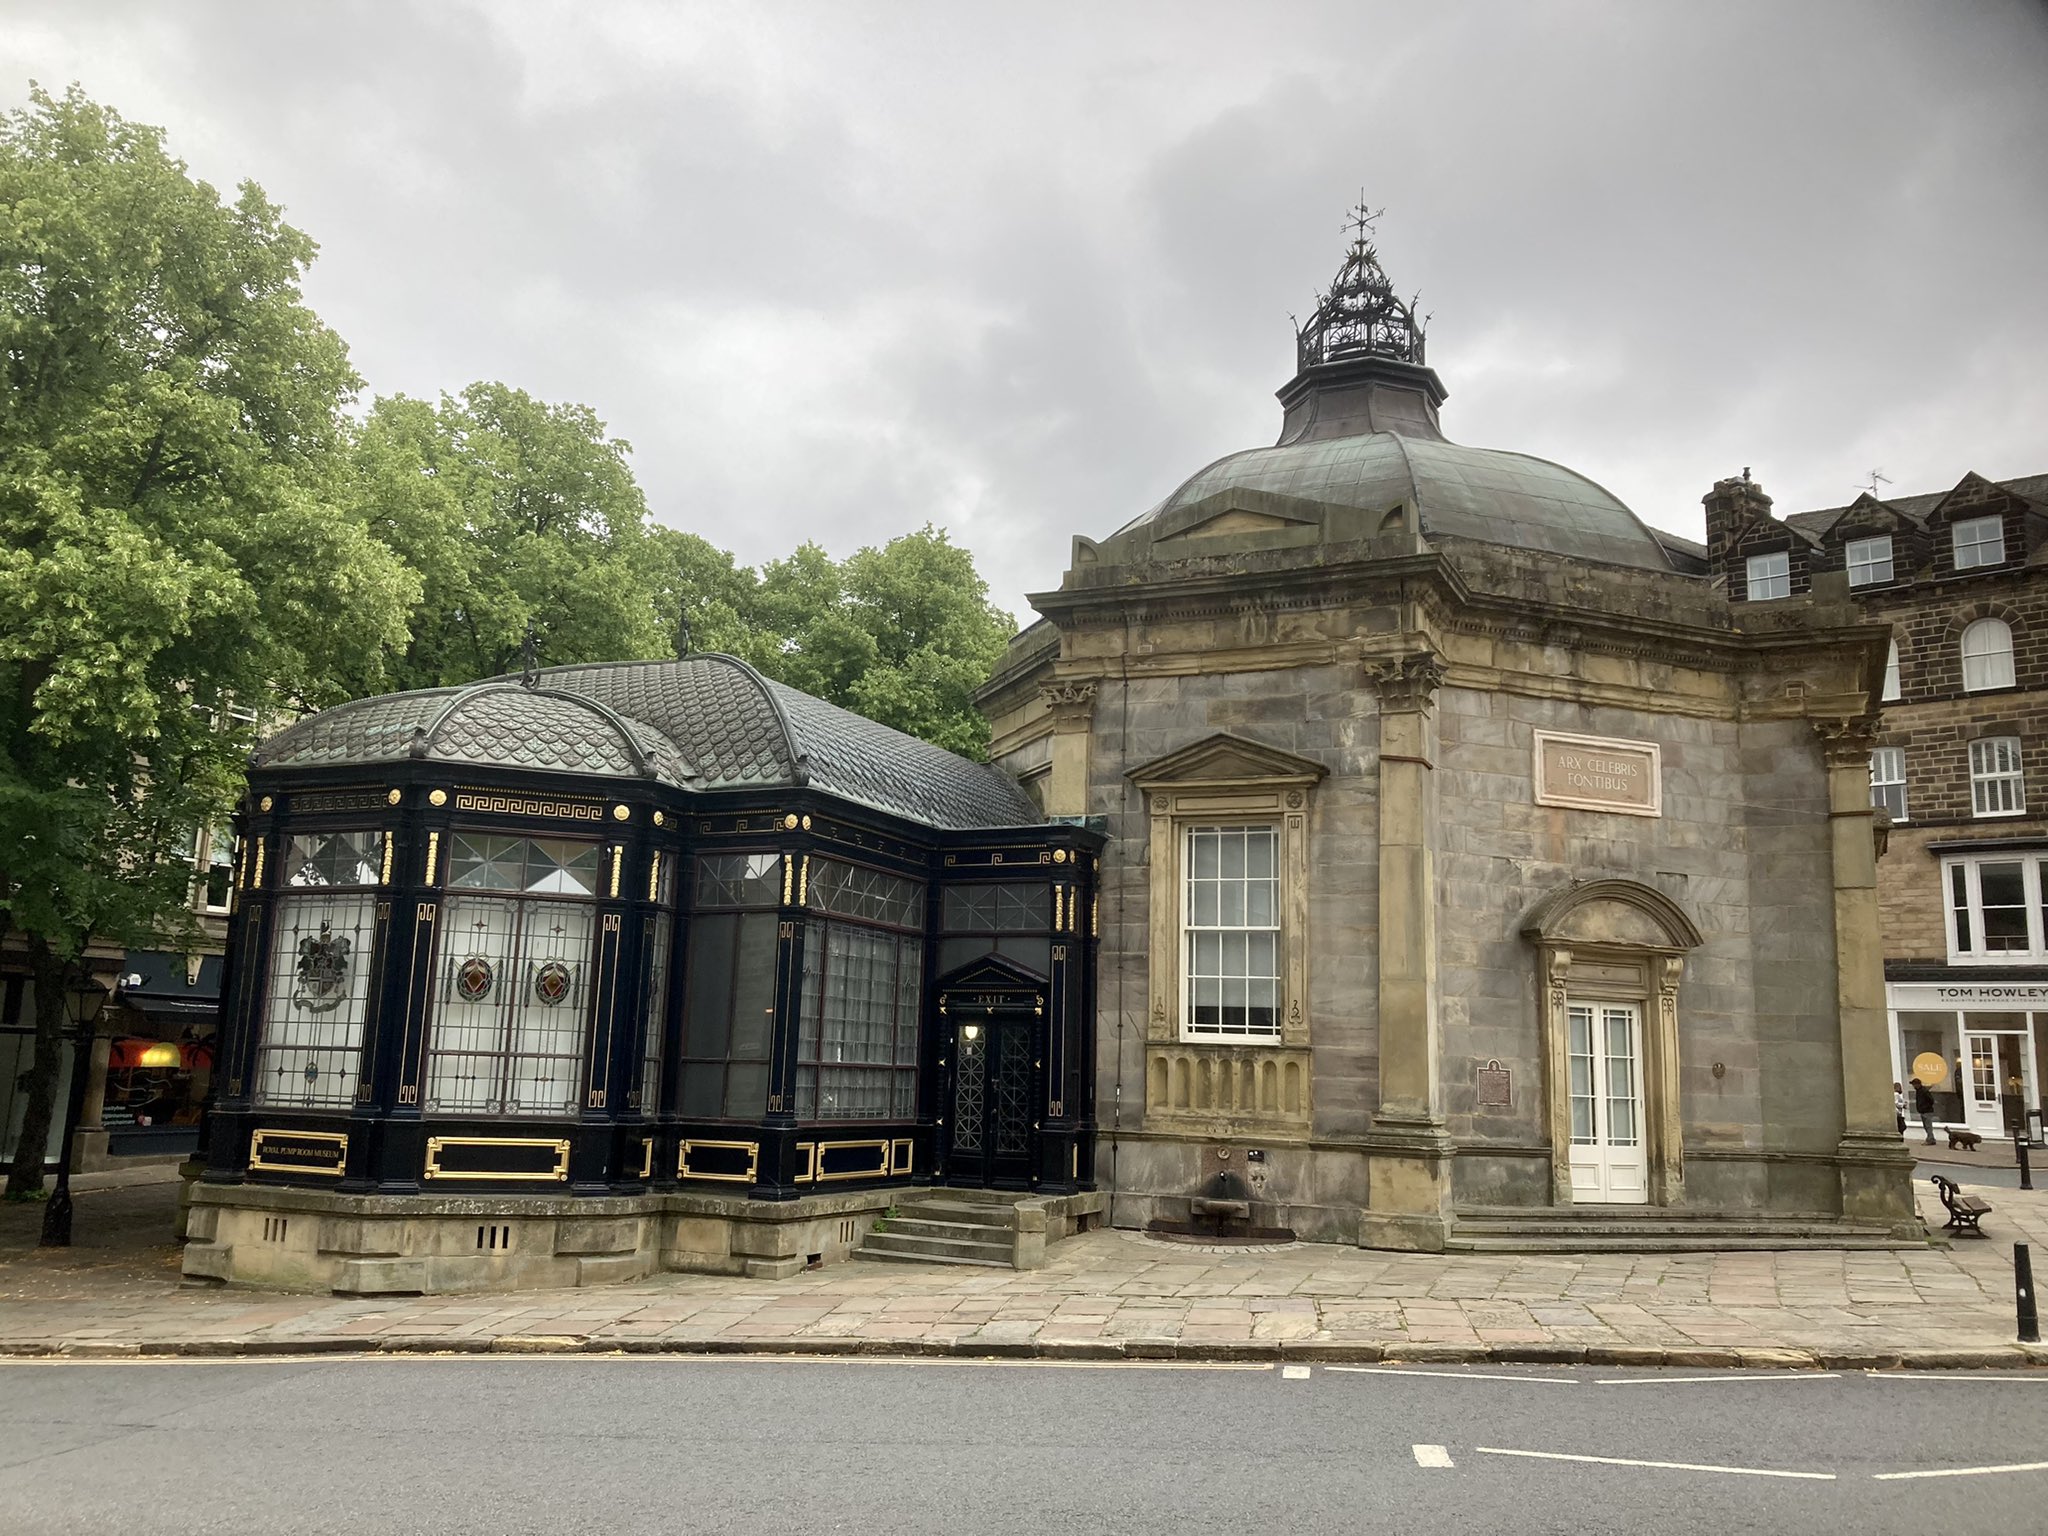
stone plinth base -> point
(291, 1239)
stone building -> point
(1477, 872)
(1960, 762)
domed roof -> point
(499, 724)
(1360, 438)
(706, 722)
(1484, 494)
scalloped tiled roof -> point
(706, 722)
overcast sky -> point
(835, 270)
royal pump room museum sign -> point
(1599, 773)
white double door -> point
(1609, 1162)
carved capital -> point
(1407, 682)
(1070, 700)
(1670, 971)
(1846, 742)
(1557, 966)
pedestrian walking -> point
(1899, 1106)
(1923, 1106)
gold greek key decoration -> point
(504, 1149)
(1055, 1107)
(777, 1103)
(321, 1152)
(409, 1093)
(437, 797)
(517, 805)
(595, 1099)
(425, 914)
(725, 1162)
(611, 922)
(393, 797)
(433, 855)
(384, 875)
(618, 860)
(265, 803)
(322, 802)
(622, 813)
(654, 875)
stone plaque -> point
(1496, 1086)
(1599, 773)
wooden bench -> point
(1962, 1140)
(1964, 1211)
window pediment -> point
(1224, 759)
(1616, 913)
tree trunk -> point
(25, 1176)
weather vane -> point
(1875, 479)
(529, 657)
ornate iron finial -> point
(682, 629)
(529, 657)
(1361, 315)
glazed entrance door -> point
(988, 1121)
(1991, 1062)
(1610, 1163)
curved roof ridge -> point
(1414, 480)
(799, 760)
(1513, 453)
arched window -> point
(1987, 656)
(1891, 675)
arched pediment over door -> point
(1607, 945)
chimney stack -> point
(1731, 507)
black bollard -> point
(2023, 1285)
(2019, 1141)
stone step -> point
(1676, 1214)
(959, 1231)
(886, 1256)
(1649, 1226)
(965, 1212)
(912, 1245)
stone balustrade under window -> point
(1227, 1087)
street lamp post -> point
(87, 997)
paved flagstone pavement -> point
(1106, 1294)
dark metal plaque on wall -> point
(1496, 1086)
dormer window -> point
(1770, 576)
(1870, 561)
(1979, 541)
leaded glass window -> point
(858, 1019)
(660, 937)
(739, 880)
(1231, 928)
(511, 996)
(540, 866)
(334, 858)
(865, 895)
(1004, 908)
(317, 997)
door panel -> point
(1609, 1161)
(989, 1103)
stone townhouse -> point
(1960, 762)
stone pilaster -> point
(1410, 1194)
(1071, 703)
(1876, 1169)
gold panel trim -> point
(433, 855)
(823, 1177)
(339, 1139)
(437, 1144)
(902, 1155)
(803, 881)
(256, 874)
(384, 878)
(647, 1157)
(517, 805)
(618, 862)
(654, 875)
(751, 1148)
(788, 875)
(806, 1161)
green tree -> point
(175, 530)
(512, 511)
(903, 634)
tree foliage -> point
(172, 533)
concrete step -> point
(910, 1244)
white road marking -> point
(1432, 1456)
(1664, 1466)
(2018, 1466)
(1411, 1370)
(1294, 1373)
(1645, 1381)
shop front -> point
(1979, 1047)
